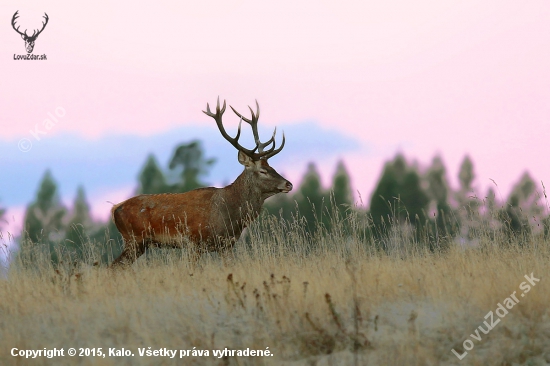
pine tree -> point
(43, 219)
(385, 195)
(438, 190)
(399, 195)
(151, 178)
(522, 204)
(492, 216)
(466, 194)
(466, 199)
(437, 181)
(341, 188)
(80, 223)
(491, 201)
(414, 198)
(190, 157)
(466, 174)
(310, 198)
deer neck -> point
(244, 194)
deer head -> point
(257, 170)
(29, 40)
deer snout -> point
(287, 187)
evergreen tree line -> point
(421, 202)
(405, 196)
(425, 200)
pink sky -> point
(420, 77)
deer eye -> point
(263, 172)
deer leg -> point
(194, 256)
(228, 257)
(226, 252)
(133, 249)
(194, 253)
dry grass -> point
(336, 303)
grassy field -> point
(327, 300)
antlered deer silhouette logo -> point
(29, 40)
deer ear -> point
(23, 36)
(245, 160)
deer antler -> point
(261, 145)
(261, 154)
(233, 141)
(35, 33)
(15, 16)
(43, 26)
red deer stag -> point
(205, 219)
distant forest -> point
(404, 195)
